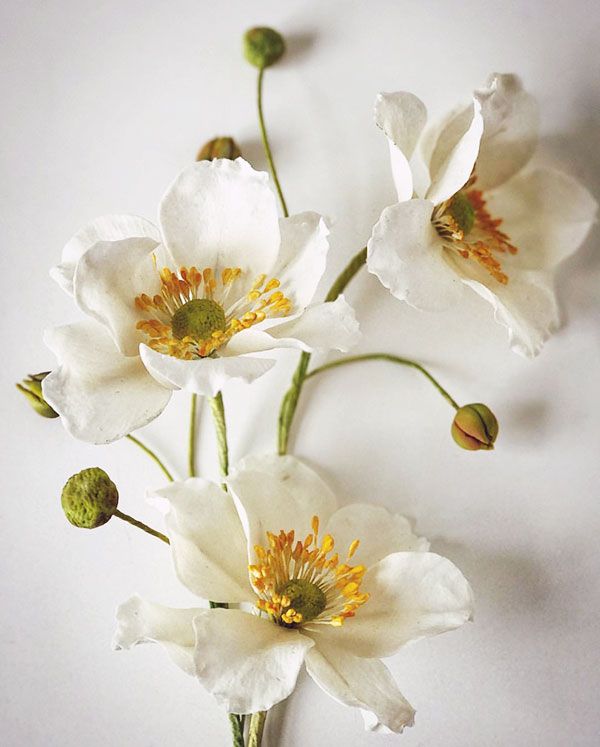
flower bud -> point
(89, 498)
(475, 427)
(263, 46)
(219, 147)
(32, 389)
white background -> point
(103, 103)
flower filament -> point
(299, 582)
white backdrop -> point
(103, 103)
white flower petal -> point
(247, 662)
(100, 394)
(510, 129)
(278, 492)
(106, 228)
(139, 621)
(455, 154)
(302, 257)
(206, 376)
(380, 533)
(402, 117)
(412, 595)
(406, 254)
(360, 683)
(108, 278)
(207, 540)
(547, 215)
(221, 214)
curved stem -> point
(257, 725)
(192, 437)
(290, 400)
(266, 146)
(391, 359)
(218, 411)
(151, 454)
(141, 525)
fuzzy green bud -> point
(89, 498)
(219, 147)
(263, 46)
(475, 427)
(31, 387)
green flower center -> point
(198, 318)
(462, 211)
(305, 597)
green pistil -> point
(198, 318)
(462, 211)
(305, 597)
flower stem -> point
(218, 411)
(192, 436)
(237, 729)
(266, 146)
(141, 525)
(257, 725)
(151, 454)
(391, 359)
(290, 400)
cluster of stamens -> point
(198, 311)
(299, 582)
(473, 219)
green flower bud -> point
(89, 498)
(219, 147)
(32, 389)
(475, 427)
(263, 46)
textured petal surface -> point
(100, 394)
(207, 540)
(278, 492)
(360, 683)
(248, 663)
(106, 228)
(511, 123)
(380, 532)
(412, 595)
(207, 376)
(406, 254)
(108, 278)
(139, 621)
(221, 214)
(455, 154)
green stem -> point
(237, 729)
(151, 454)
(391, 359)
(192, 437)
(141, 525)
(290, 400)
(218, 411)
(257, 725)
(266, 146)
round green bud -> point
(219, 147)
(89, 498)
(475, 427)
(198, 318)
(31, 387)
(263, 46)
(305, 597)
(462, 211)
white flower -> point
(273, 542)
(185, 306)
(468, 215)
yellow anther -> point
(327, 543)
(315, 525)
(353, 548)
(271, 285)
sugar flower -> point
(186, 305)
(333, 589)
(471, 215)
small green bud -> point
(263, 46)
(219, 147)
(462, 211)
(32, 389)
(475, 427)
(89, 498)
